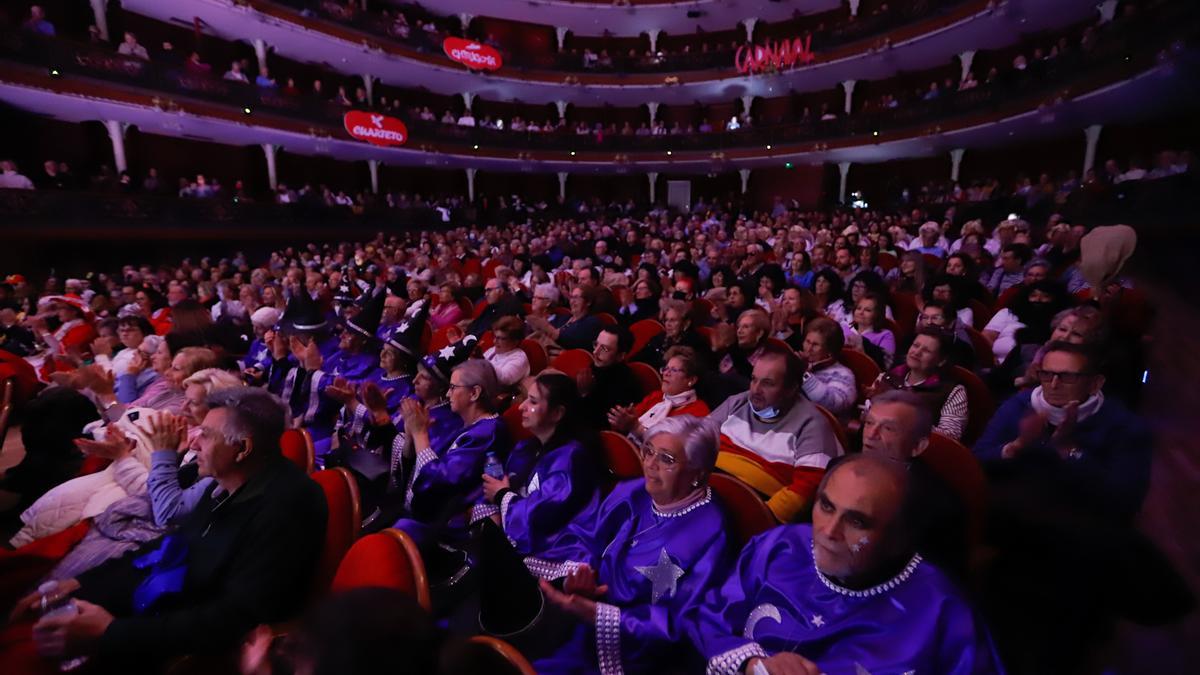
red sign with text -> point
(375, 129)
(471, 54)
(774, 56)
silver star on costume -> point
(818, 620)
(446, 351)
(663, 576)
(403, 326)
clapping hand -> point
(376, 401)
(416, 416)
(341, 391)
(167, 431)
(621, 419)
(116, 445)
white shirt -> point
(1006, 324)
(511, 368)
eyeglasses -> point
(664, 459)
(667, 370)
(1047, 376)
(603, 349)
(453, 386)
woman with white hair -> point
(657, 546)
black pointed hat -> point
(442, 362)
(510, 600)
(302, 314)
(407, 335)
(345, 292)
(366, 322)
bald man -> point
(847, 594)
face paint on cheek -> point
(859, 546)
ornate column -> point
(956, 156)
(269, 151)
(1092, 134)
(844, 169)
(116, 134)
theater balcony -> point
(362, 47)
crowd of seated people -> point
(774, 352)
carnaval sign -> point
(375, 129)
(774, 56)
(472, 54)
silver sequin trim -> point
(730, 662)
(481, 511)
(686, 510)
(548, 570)
(608, 639)
(505, 502)
(874, 590)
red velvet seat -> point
(297, 446)
(643, 332)
(904, 312)
(514, 662)
(838, 430)
(512, 421)
(536, 353)
(956, 465)
(571, 361)
(389, 559)
(343, 524)
(745, 507)
(606, 318)
(647, 377)
(864, 368)
(984, 357)
(620, 456)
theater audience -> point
(506, 356)
(773, 438)
(677, 396)
(805, 598)
(222, 572)
(623, 594)
(677, 331)
(827, 382)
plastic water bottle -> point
(493, 467)
(59, 607)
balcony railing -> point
(1120, 52)
(719, 58)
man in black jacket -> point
(244, 556)
(609, 382)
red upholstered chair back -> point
(647, 377)
(486, 342)
(6, 405)
(980, 314)
(389, 559)
(864, 368)
(746, 509)
(887, 261)
(512, 421)
(93, 464)
(426, 338)
(297, 446)
(514, 663)
(606, 318)
(620, 456)
(956, 465)
(701, 314)
(980, 404)
(345, 520)
(838, 430)
(439, 338)
(536, 353)
(904, 311)
(643, 331)
(571, 361)
(984, 357)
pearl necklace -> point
(874, 590)
(685, 510)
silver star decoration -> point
(446, 352)
(818, 620)
(403, 326)
(663, 576)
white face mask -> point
(766, 414)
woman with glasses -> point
(676, 397)
(877, 340)
(577, 330)
(658, 544)
(506, 356)
(677, 331)
(550, 479)
(827, 382)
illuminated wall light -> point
(874, 133)
(475, 147)
(246, 111)
(787, 165)
(572, 153)
(768, 146)
(55, 72)
(668, 153)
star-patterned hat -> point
(366, 322)
(442, 362)
(407, 336)
(345, 292)
(301, 315)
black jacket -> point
(250, 560)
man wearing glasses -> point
(1067, 433)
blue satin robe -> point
(304, 392)
(550, 491)
(446, 481)
(638, 627)
(776, 601)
